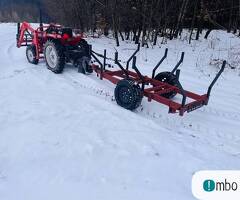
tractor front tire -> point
(128, 95)
(31, 54)
(54, 56)
(171, 79)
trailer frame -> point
(153, 89)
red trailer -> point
(132, 86)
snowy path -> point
(63, 136)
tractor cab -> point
(63, 31)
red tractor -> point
(56, 44)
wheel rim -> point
(125, 95)
(51, 56)
(30, 55)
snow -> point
(63, 136)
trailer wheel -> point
(54, 56)
(128, 95)
(171, 79)
(31, 54)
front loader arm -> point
(25, 34)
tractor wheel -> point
(128, 95)
(54, 56)
(31, 54)
(84, 66)
(171, 79)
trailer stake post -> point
(160, 62)
(178, 64)
(178, 74)
(134, 54)
(104, 59)
(120, 66)
(216, 78)
(138, 72)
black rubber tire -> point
(84, 66)
(60, 57)
(85, 47)
(80, 67)
(31, 54)
(171, 79)
(128, 95)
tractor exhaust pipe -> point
(18, 31)
(40, 20)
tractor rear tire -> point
(128, 95)
(171, 79)
(31, 54)
(54, 56)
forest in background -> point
(138, 20)
(19, 10)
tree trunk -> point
(114, 20)
(193, 20)
(181, 17)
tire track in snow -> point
(164, 119)
(225, 114)
(14, 74)
(93, 88)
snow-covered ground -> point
(63, 136)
